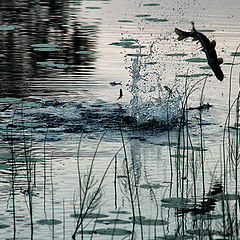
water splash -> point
(155, 91)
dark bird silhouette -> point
(121, 94)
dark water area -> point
(44, 22)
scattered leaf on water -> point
(151, 186)
(112, 231)
(89, 215)
(196, 60)
(143, 15)
(4, 226)
(48, 222)
(156, 20)
(206, 30)
(151, 4)
(177, 203)
(9, 27)
(119, 212)
(136, 55)
(52, 64)
(148, 221)
(47, 49)
(112, 221)
(125, 21)
(227, 197)
(85, 52)
(93, 7)
(89, 26)
(44, 45)
(236, 54)
(176, 54)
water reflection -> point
(53, 22)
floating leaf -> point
(47, 49)
(125, 21)
(89, 27)
(119, 212)
(48, 222)
(136, 55)
(206, 30)
(176, 202)
(200, 60)
(4, 226)
(227, 197)
(151, 186)
(112, 231)
(93, 7)
(236, 54)
(44, 45)
(151, 4)
(156, 20)
(89, 215)
(9, 27)
(143, 15)
(147, 221)
(85, 52)
(112, 221)
(176, 54)
(52, 64)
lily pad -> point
(9, 27)
(89, 215)
(112, 221)
(44, 45)
(112, 231)
(47, 49)
(156, 20)
(196, 60)
(151, 4)
(4, 226)
(148, 221)
(177, 202)
(151, 186)
(119, 212)
(227, 197)
(136, 55)
(143, 15)
(85, 52)
(236, 54)
(206, 30)
(93, 7)
(176, 54)
(48, 222)
(125, 21)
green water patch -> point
(136, 55)
(93, 8)
(9, 27)
(52, 64)
(5, 156)
(151, 186)
(2, 55)
(112, 231)
(89, 232)
(28, 159)
(44, 45)
(47, 49)
(4, 226)
(112, 221)
(119, 212)
(89, 27)
(176, 54)
(49, 222)
(148, 221)
(85, 52)
(230, 63)
(125, 21)
(151, 4)
(156, 19)
(143, 15)
(127, 44)
(236, 54)
(89, 215)
(227, 197)
(196, 60)
(9, 100)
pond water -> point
(86, 85)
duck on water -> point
(208, 47)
